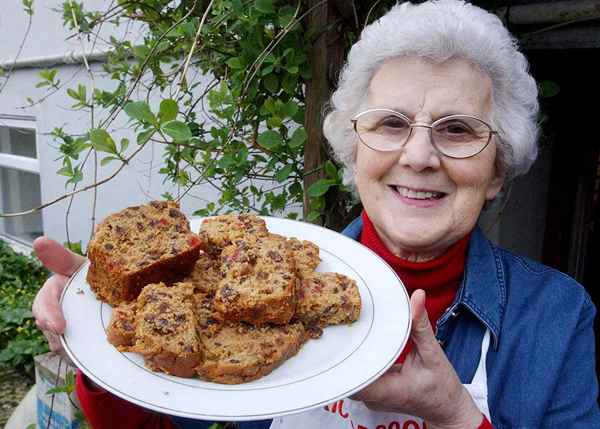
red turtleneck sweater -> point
(439, 278)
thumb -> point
(421, 332)
(56, 257)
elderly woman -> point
(434, 114)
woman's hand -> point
(426, 384)
(46, 305)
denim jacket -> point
(541, 362)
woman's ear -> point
(496, 182)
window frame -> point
(19, 163)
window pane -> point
(20, 191)
(18, 141)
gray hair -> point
(437, 31)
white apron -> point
(347, 413)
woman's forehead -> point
(414, 86)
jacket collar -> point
(483, 290)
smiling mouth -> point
(417, 195)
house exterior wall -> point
(137, 183)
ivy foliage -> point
(242, 131)
(20, 278)
(243, 134)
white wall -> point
(48, 36)
(137, 183)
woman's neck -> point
(407, 254)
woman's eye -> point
(454, 128)
(393, 122)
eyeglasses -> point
(455, 136)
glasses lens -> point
(382, 130)
(461, 136)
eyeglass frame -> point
(414, 124)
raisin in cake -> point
(166, 329)
(259, 282)
(140, 245)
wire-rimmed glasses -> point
(455, 136)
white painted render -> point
(137, 183)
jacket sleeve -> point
(574, 401)
(106, 411)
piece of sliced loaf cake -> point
(218, 232)
(238, 353)
(140, 245)
(259, 282)
(166, 329)
(325, 299)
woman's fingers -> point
(56, 257)
(46, 305)
(421, 332)
(53, 342)
(378, 391)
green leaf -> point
(141, 51)
(140, 110)
(330, 170)
(284, 173)
(271, 83)
(235, 63)
(290, 108)
(124, 144)
(28, 6)
(168, 110)
(107, 160)
(67, 169)
(549, 89)
(74, 246)
(313, 216)
(320, 187)
(270, 139)
(102, 141)
(76, 177)
(145, 136)
(73, 94)
(298, 138)
(177, 130)
(264, 6)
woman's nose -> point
(418, 152)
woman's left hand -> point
(426, 384)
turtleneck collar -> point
(429, 275)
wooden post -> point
(326, 57)
(317, 91)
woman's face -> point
(420, 201)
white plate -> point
(344, 360)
